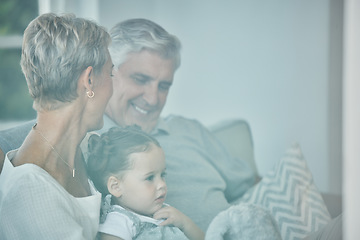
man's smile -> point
(140, 110)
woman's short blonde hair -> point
(55, 51)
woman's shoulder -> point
(26, 173)
(28, 180)
(26, 184)
(29, 196)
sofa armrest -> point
(237, 139)
(333, 203)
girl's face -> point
(143, 188)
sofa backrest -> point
(237, 138)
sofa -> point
(236, 135)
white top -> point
(120, 225)
(33, 205)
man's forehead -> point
(148, 78)
(149, 70)
(145, 57)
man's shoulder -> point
(13, 137)
(177, 120)
(176, 124)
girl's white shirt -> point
(120, 225)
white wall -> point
(82, 8)
(351, 116)
(275, 63)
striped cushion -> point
(290, 194)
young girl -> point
(128, 167)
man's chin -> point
(146, 127)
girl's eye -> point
(163, 175)
(150, 178)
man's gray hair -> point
(135, 35)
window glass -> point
(15, 101)
(15, 15)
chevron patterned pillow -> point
(291, 196)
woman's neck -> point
(53, 144)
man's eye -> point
(140, 81)
(164, 87)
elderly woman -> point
(44, 188)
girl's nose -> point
(162, 184)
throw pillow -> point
(289, 193)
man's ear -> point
(114, 186)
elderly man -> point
(202, 178)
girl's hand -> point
(174, 217)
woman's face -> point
(102, 92)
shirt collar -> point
(142, 217)
(160, 128)
(108, 123)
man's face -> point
(141, 85)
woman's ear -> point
(86, 79)
(114, 186)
